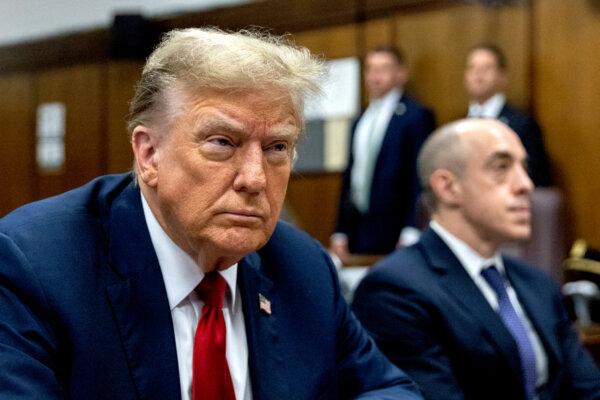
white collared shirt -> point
(490, 109)
(181, 276)
(474, 264)
(373, 122)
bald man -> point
(462, 320)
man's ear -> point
(144, 142)
(402, 75)
(446, 187)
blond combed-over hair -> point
(211, 58)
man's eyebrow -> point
(221, 123)
(285, 131)
(505, 156)
(226, 124)
(499, 155)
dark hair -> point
(496, 52)
(392, 50)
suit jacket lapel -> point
(397, 119)
(503, 116)
(457, 282)
(268, 374)
(394, 126)
(139, 301)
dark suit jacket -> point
(428, 316)
(395, 185)
(84, 311)
(531, 136)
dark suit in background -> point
(395, 184)
(531, 136)
(84, 311)
(429, 318)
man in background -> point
(380, 185)
(486, 79)
(465, 322)
(178, 281)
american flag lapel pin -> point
(264, 304)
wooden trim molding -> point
(279, 16)
(60, 51)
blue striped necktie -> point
(515, 325)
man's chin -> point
(242, 241)
(520, 235)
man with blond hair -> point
(178, 281)
(464, 321)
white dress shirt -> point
(370, 132)
(181, 276)
(490, 109)
(474, 264)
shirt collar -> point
(384, 106)
(180, 272)
(491, 108)
(390, 98)
(472, 261)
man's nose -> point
(523, 182)
(251, 175)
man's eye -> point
(278, 152)
(221, 141)
(279, 147)
(501, 165)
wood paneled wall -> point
(437, 42)
(567, 101)
(82, 90)
(17, 130)
(553, 54)
(122, 77)
(312, 202)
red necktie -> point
(210, 374)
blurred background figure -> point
(486, 79)
(380, 185)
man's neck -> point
(386, 94)
(482, 100)
(467, 233)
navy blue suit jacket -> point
(428, 316)
(84, 311)
(395, 186)
(531, 136)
